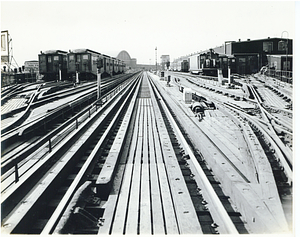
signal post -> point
(99, 66)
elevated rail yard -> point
(145, 154)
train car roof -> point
(84, 51)
(91, 51)
(54, 51)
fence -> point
(285, 76)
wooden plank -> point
(168, 207)
(158, 154)
(105, 178)
(145, 207)
(134, 202)
(120, 214)
(142, 112)
(145, 211)
(135, 135)
(150, 134)
(156, 202)
(185, 212)
(170, 221)
(145, 133)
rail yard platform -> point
(246, 177)
(152, 186)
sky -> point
(176, 28)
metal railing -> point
(285, 76)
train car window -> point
(49, 59)
(78, 58)
(42, 58)
(207, 62)
(71, 57)
(85, 56)
(94, 59)
(55, 58)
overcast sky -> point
(176, 28)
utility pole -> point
(99, 66)
(156, 59)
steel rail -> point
(10, 162)
(31, 125)
(72, 189)
(15, 217)
(220, 213)
(287, 169)
(285, 150)
(39, 102)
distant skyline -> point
(176, 28)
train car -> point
(120, 66)
(211, 61)
(194, 64)
(83, 61)
(180, 64)
(108, 63)
(185, 66)
(53, 65)
(115, 66)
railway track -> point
(270, 148)
(57, 164)
(122, 172)
(45, 94)
(43, 118)
(16, 163)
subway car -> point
(83, 61)
(86, 61)
(53, 65)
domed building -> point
(130, 62)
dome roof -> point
(124, 55)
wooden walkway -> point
(153, 197)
